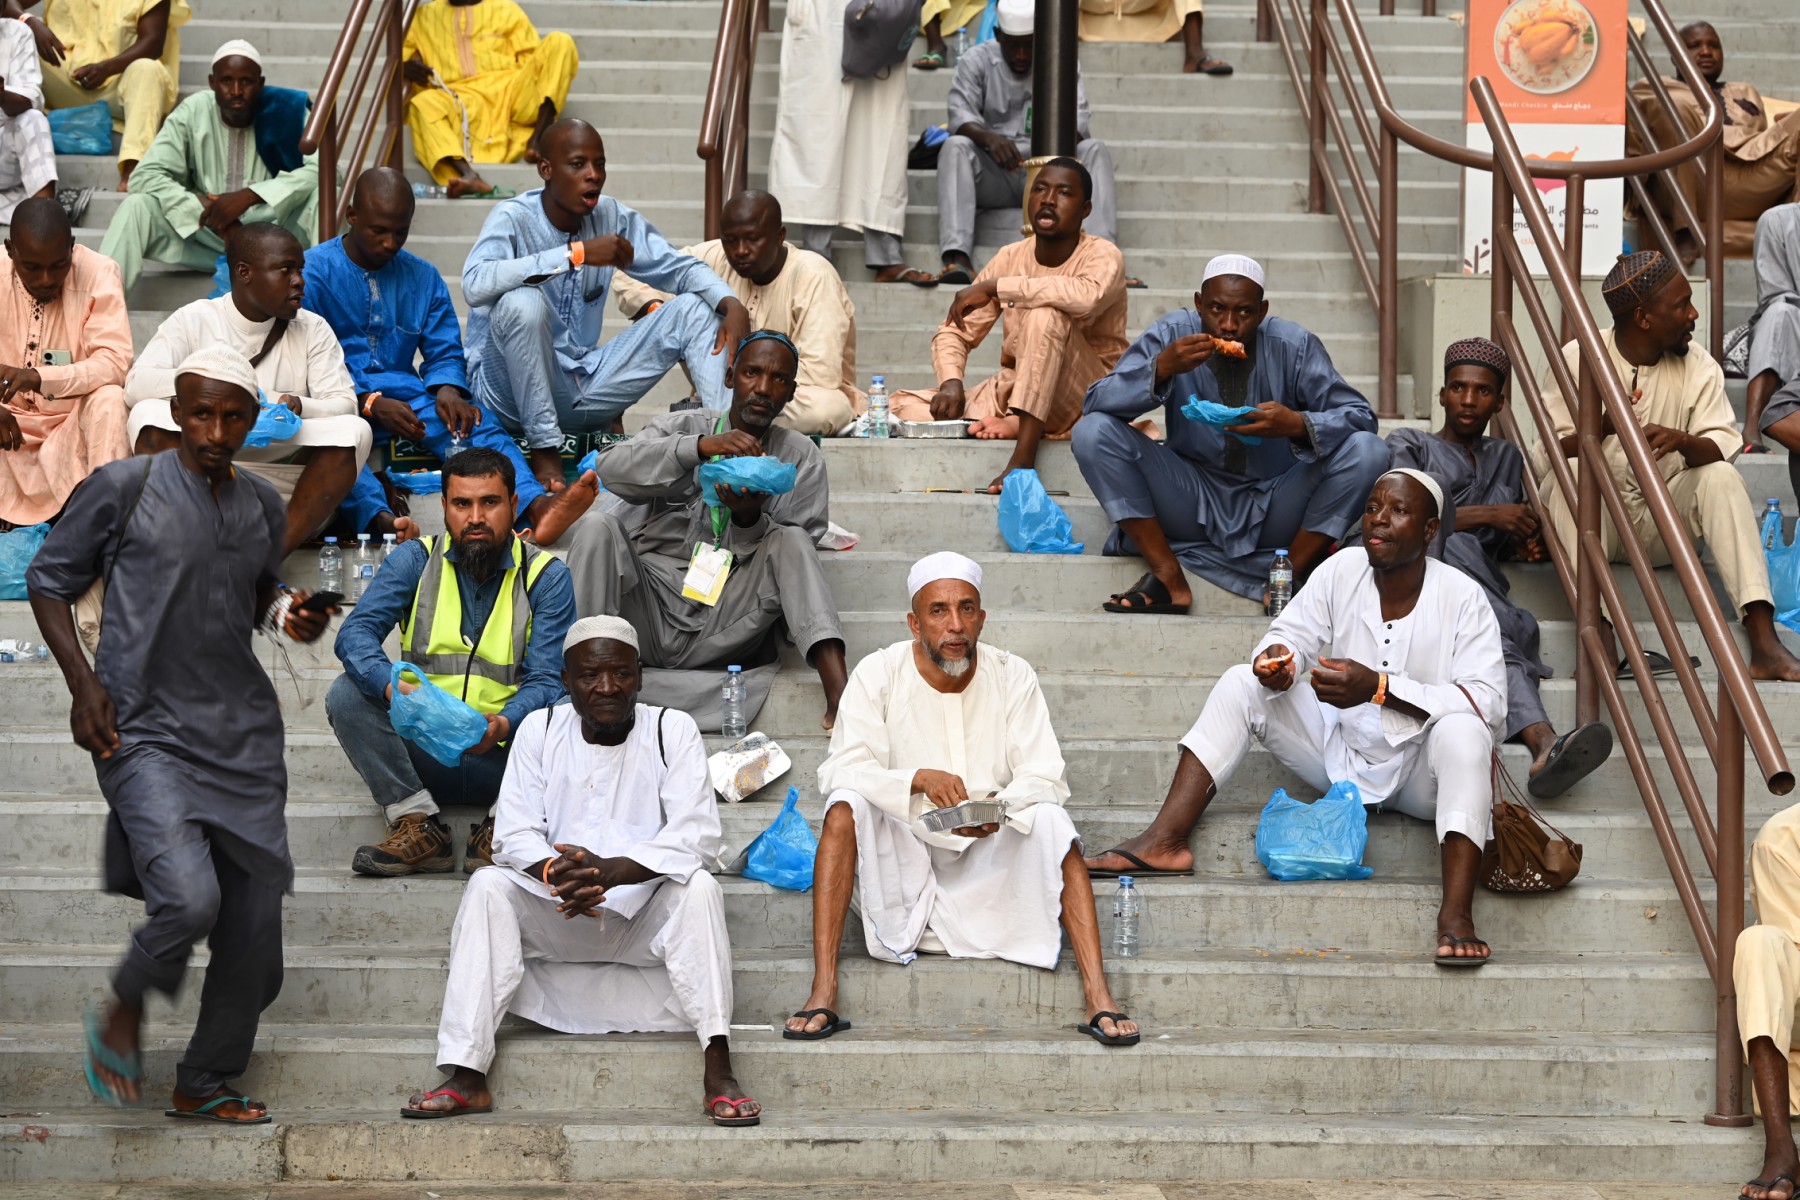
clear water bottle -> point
(14, 650)
(364, 567)
(1128, 919)
(1771, 524)
(962, 42)
(331, 567)
(878, 407)
(390, 542)
(458, 443)
(734, 725)
(1281, 582)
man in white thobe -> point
(27, 156)
(1408, 706)
(606, 814)
(927, 723)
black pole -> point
(1053, 78)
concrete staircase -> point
(1292, 1030)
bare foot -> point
(822, 997)
(125, 170)
(470, 1085)
(1175, 857)
(995, 428)
(731, 1102)
(467, 185)
(121, 1031)
(231, 1110)
(1777, 663)
(1110, 1026)
(551, 516)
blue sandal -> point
(99, 1054)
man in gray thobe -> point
(1486, 519)
(184, 727)
(631, 559)
(981, 164)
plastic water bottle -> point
(458, 443)
(878, 407)
(1281, 582)
(331, 567)
(1771, 524)
(962, 42)
(734, 725)
(390, 542)
(14, 650)
(1128, 918)
(364, 567)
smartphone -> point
(58, 358)
(320, 601)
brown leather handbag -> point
(1526, 853)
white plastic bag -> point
(747, 765)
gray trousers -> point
(968, 179)
(403, 778)
(781, 581)
(879, 249)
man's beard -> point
(613, 731)
(955, 668)
(479, 558)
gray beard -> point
(955, 668)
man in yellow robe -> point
(1153, 21)
(124, 52)
(486, 86)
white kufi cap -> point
(945, 564)
(1424, 480)
(237, 47)
(1234, 264)
(223, 364)
(1016, 18)
(616, 629)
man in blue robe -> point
(1290, 472)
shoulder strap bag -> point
(1525, 853)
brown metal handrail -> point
(1595, 394)
(724, 143)
(1314, 41)
(325, 131)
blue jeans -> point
(403, 778)
(367, 500)
(519, 379)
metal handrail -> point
(1595, 395)
(326, 126)
(724, 143)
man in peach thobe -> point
(65, 345)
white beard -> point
(955, 668)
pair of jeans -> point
(403, 778)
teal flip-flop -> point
(99, 1054)
(208, 1112)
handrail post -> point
(1387, 8)
(1728, 1102)
(1265, 20)
(1428, 8)
(1589, 417)
(328, 158)
(1500, 295)
(396, 81)
(1315, 191)
(1388, 248)
(1574, 225)
(1715, 247)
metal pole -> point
(1315, 189)
(396, 81)
(1388, 314)
(1500, 296)
(1715, 245)
(1265, 18)
(1053, 78)
(1574, 223)
(1588, 420)
(328, 161)
(1728, 1106)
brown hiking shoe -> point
(479, 852)
(416, 843)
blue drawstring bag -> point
(17, 548)
(1210, 412)
(782, 855)
(1321, 840)
(759, 473)
(432, 719)
(419, 483)
(84, 129)
(1030, 521)
(275, 422)
(1784, 570)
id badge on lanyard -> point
(710, 565)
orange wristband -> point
(547, 863)
(577, 253)
(1380, 696)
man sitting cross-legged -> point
(536, 282)
(483, 614)
(1219, 503)
(774, 573)
(65, 345)
(1766, 970)
(1060, 299)
(1677, 393)
(298, 362)
(403, 346)
(1408, 706)
(606, 814)
(27, 153)
(1485, 520)
(930, 722)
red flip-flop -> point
(463, 1107)
(754, 1119)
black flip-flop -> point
(1093, 1030)
(1755, 448)
(1154, 595)
(956, 275)
(1461, 961)
(1575, 754)
(832, 1026)
(1140, 869)
(1659, 665)
(1766, 1184)
(1214, 66)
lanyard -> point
(721, 517)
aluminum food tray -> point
(932, 429)
(969, 812)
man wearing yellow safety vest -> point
(483, 615)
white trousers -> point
(27, 159)
(1445, 776)
(667, 968)
(1001, 897)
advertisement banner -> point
(1558, 69)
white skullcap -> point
(1424, 480)
(616, 629)
(945, 564)
(223, 364)
(1016, 18)
(236, 47)
(1234, 264)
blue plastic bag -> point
(84, 129)
(275, 422)
(17, 548)
(1784, 570)
(759, 473)
(419, 483)
(782, 855)
(1321, 840)
(1030, 521)
(221, 278)
(589, 462)
(1210, 412)
(432, 719)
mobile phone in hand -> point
(320, 602)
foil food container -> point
(969, 812)
(932, 429)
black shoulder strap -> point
(276, 333)
(119, 544)
(661, 750)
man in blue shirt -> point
(537, 282)
(482, 613)
(392, 313)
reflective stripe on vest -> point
(485, 675)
